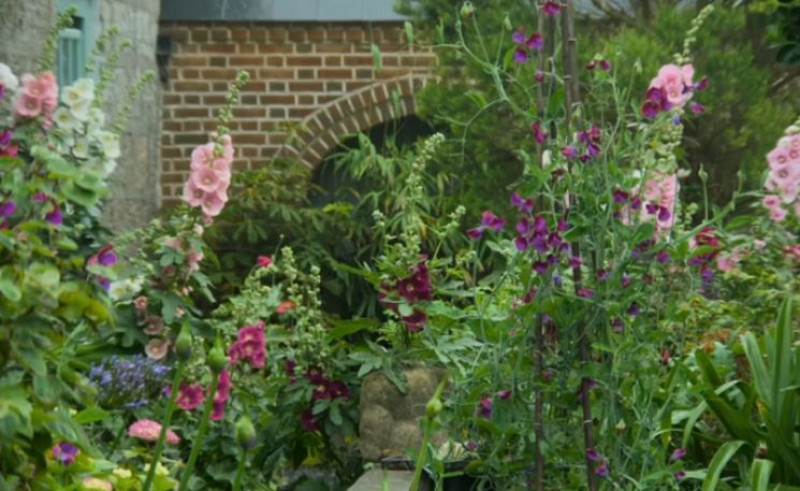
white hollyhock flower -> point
(7, 78)
(110, 143)
(80, 110)
(81, 148)
(108, 167)
(64, 119)
(80, 91)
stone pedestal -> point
(390, 420)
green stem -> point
(201, 433)
(176, 382)
(237, 485)
(422, 456)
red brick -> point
(354, 34)
(191, 126)
(170, 153)
(306, 86)
(218, 61)
(275, 61)
(247, 49)
(300, 112)
(200, 35)
(191, 99)
(258, 34)
(316, 35)
(297, 35)
(170, 99)
(218, 48)
(333, 48)
(190, 74)
(304, 60)
(240, 34)
(249, 112)
(358, 60)
(341, 73)
(214, 100)
(220, 34)
(277, 99)
(181, 61)
(246, 61)
(254, 86)
(275, 48)
(305, 100)
(194, 112)
(248, 125)
(219, 74)
(333, 61)
(351, 86)
(277, 34)
(190, 86)
(250, 152)
(324, 99)
(276, 74)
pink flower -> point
(193, 259)
(154, 325)
(771, 201)
(251, 345)
(192, 194)
(728, 263)
(27, 106)
(209, 180)
(149, 431)
(141, 303)
(777, 214)
(189, 396)
(675, 80)
(38, 97)
(203, 156)
(213, 203)
(778, 158)
(264, 261)
(222, 395)
(157, 349)
(284, 307)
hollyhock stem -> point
(240, 470)
(572, 92)
(176, 382)
(201, 432)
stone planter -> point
(390, 420)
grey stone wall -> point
(24, 24)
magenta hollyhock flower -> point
(7, 208)
(550, 8)
(54, 217)
(678, 454)
(702, 84)
(307, 420)
(538, 135)
(5, 138)
(251, 345)
(521, 243)
(475, 233)
(65, 453)
(104, 257)
(504, 394)
(189, 396)
(485, 407)
(650, 109)
(697, 108)
(492, 221)
(602, 275)
(416, 321)
(264, 261)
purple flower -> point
(535, 41)
(471, 445)
(569, 152)
(492, 221)
(590, 65)
(540, 225)
(650, 109)
(524, 205)
(663, 257)
(697, 108)
(585, 292)
(551, 8)
(7, 208)
(575, 262)
(2, 92)
(521, 243)
(558, 280)
(620, 196)
(520, 56)
(626, 280)
(65, 453)
(593, 455)
(676, 120)
(475, 233)
(485, 407)
(539, 243)
(5, 138)
(539, 77)
(602, 275)
(540, 267)
(617, 324)
(504, 395)
(678, 454)
(307, 421)
(415, 322)
(636, 203)
(702, 84)
(538, 135)
(605, 65)
(679, 475)
(663, 214)
(519, 36)
(634, 310)
(39, 198)
(562, 225)
(592, 149)
(651, 208)
(55, 217)
(601, 470)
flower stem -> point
(201, 433)
(422, 456)
(237, 485)
(176, 382)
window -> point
(75, 43)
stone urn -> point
(390, 420)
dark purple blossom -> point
(475, 233)
(697, 108)
(558, 280)
(522, 204)
(7, 208)
(504, 394)
(605, 65)
(663, 214)
(593, 455)
(550, 8)
(55, 217)
(5, 138)
(520, 56)
(634, 310)
(569, 152)
(539, 77)
(679, 475)
(601, 470)
(702, 84)
(575, 262)
(663, 257)
(562, 225)
(485, 407)
(307, 421)
(535, 41)
(538, 135)
(617, 324)
(540, 267)
(415, 322)
(492, 221)
(626, 280)
(585, 292)
(65, 453)
(678, 454)
(620, 196)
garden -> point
(582, 274)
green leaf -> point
(758, 369)
(718, 463)
(91, 415)
(760, 473)
(404, 309)
(336, 415)
(10, 290)
(83, 197)
(351, 326)
(376, 58)
(409, 28)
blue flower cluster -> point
(128, 383)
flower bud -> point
(245, 432)
(183, 345)
(217, 359)
(507, 23)
(467, 10)
(434, 407)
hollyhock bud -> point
(434, 407)
(245, 432)
(467, 10)
(217, 359)
(183, 345)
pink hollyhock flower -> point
(94, 483)
(140, 303)
(728, 263)
(777, 214)
(674, 80)
(264, 261)
(193, 259)
(157, 349)
(284, 307)
(789, 191)
(209, 180)
(154, 325)
(251, 345)
(203, 156)
(778, 158)
(213, 203)
(223, 393)
(149, 431)
(771, 201)
(189, 396)
(65, 453)
(38, 97)
(797, 208)
(27, 106)
(192, 194)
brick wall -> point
(311, 84)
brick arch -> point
(321, 131)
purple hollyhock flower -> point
(504, 394)
(525, 226)
(663, 257)
(651, 208)
(620, 196)
(535, 41)
(519, 36)
(7, 208)
(520, 56)
(65, 453)
(539, 243)
(569, 152)
(605, 65)
(539, 77)
(697, 108)
(550, 8)
(678, 454)
(636, 203)
(538, 135)
(540, 267)
(650, 109)
(55, 217)
(601, 470)
(521, 243)
(415, 322)
(540, 225)
(523, 205)
(634, 310)
(307, 420)
(475, 233)
(554, 240)
(492, 221)
(663, 214)
(593, 455)
(485, 407)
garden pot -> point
(454, 483)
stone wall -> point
(311, 84)
(24, 25)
